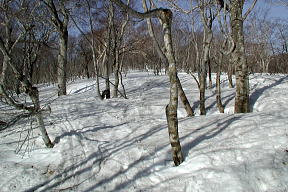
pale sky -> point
(275, 10)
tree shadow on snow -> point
(96, 159)
(221, 125)
(105, 151)
(78, 132)
(258, 92)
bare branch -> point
(249, 10)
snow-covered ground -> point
(122, 145)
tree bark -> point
(184, 99)
(218, 86)
(62, 63)
(239, 59)
(210, 74)
(166, 17)
(3, 78)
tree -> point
(7, 49)
(259, 41)
(60, 20)
(207, 18)
(118, 35)
(238, 55)
(164, 59)
(165, 15)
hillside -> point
(123, 145)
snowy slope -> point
(122, 145)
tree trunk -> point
(96, 68)
(34, 94)
(120, 75)
(116, 73)
(171, 109)
(207, 40)
(62, 63)
(218, 86)
(210, 74)
(230, 73)
(106, 76)
(218, 95)
(202, 83)
(239, 59)
(184, 99)
(3, 78)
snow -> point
(122, 145)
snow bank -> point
(122, 145)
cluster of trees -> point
(54, 41)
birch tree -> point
(60, 20)
(165, 15)
(207, 15)
(164, 59)
(118, 35)
(237, 18)
(207, 18)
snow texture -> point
(122, 145)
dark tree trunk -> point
(210, 74)
(3, 78)
(230, 73)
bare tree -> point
(207, 18)
(164, 59)
(226, 49)
(259, 43)
(7, 51)
(237, 19)
(165, 15)
(60, 19)
(118, 35)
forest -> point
(173, 84)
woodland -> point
(223, 48)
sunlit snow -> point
(123, 145)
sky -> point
(276, 11)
